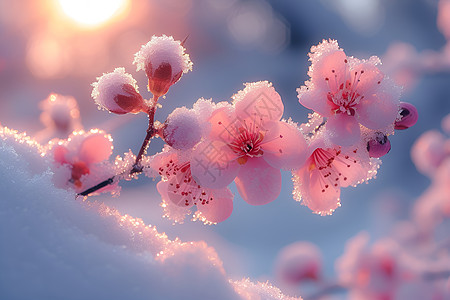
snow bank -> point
(54, 246)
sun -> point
(92, 12)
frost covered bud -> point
(164, 61)
(378, 146)
(182, 130)
(408, 116)
(118, 93)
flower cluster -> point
(245, 141)
(412, 261)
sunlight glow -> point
(92, 12)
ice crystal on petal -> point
(118, 92)
(348, 92)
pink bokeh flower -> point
(249, 144)
(373, 272)
(317, 184)
(180, 192)
(349, 92)
(81, 155)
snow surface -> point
(57, 247)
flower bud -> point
(408, 116)
(118, 93)
(164, 61)
(182, 130)
(379, 146)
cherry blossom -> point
(60, 115)
(349, 92)
(180, 191)
(164, 61)
(429, 151)
(298, 262)
(249, 144)
(317, 184)
(80, 157)
(372, 272)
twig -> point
(137, 167)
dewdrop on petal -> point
(408, 116)
(118, 93)
(379, 145)
(164, 61)
(182, 130)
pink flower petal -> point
(284, 146)
(95, 148)
(353, 166)
(59, 154)
(224, 124)
(369, 80)
(342, 130)
(259, 101)
(316, 100)
(258, 183)
(310, 188)
(213, 164)
(219, 209)
(330, 71)
(379, 110)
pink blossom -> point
(249, 144)
(443, 18)
(317, 184)
(372, 272)
(81, 154)
(60, 115)
(349, 92)
(298, 262)
(164, 61)
(180, 191)
(429, 151)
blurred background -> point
(61, 46)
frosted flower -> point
(118, 93)
(164, 61)
(60, 115)
(180, 191)
(298, 262)
(429, 151)
(348, 92)
(317, 184)
(249, 144)
(372, 272)
(81, 155)
(182, 129)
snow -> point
(57, 247)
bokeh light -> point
(92, 12)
